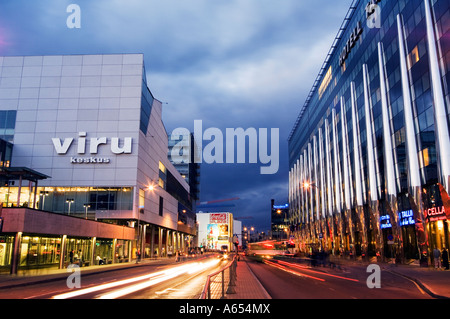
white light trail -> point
(150, 279)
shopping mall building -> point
(370, 151)
(84, 166)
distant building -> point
(279, 220)
(183, 146)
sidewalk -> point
(247, 285)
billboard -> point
(215, 230)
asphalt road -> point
(287, 280)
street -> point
(147, 281)
(290, 280)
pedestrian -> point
(177, 256)
(437, 258)
(445, 258)
(71, 256)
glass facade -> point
(373, 135)
(37, 251)
(56, 199)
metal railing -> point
(221, 282)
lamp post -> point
(151, 188)
(86, 206)
(70, 201)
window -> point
(162, 176)
(413, 57)
(7, 125)
(161, 205)
(141, 200)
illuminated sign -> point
(435, 213)
(385, 222)
(281, 206)
(62, 147)
(218, 218)
(406, 218)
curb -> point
(421, 285)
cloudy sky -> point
(229, 63)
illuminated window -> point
(162, 168)
(413, 57)
(141, 200)
(325, 82)
(162, 176)
(426, 157)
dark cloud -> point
(229, 63)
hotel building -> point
(84, 163)
(370, 151)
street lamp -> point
(307, 185)
(86, 206)
(150, 187)
(70, 201)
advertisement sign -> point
(406, 218)
(218, 218)
(435, 213)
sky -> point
(229, 63)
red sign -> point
(219, 218)
(435, 213)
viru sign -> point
(62, 147)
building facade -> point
(89, 133)
(279, 220)
(369, 152)
(182, 150)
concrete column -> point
(63, 251)
(16, 253)
(159, 241)
(152, 241)
(114, 251)
(440, 113)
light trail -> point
(317, 272)
(276, 265)
(171, 273)
(151, 279)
